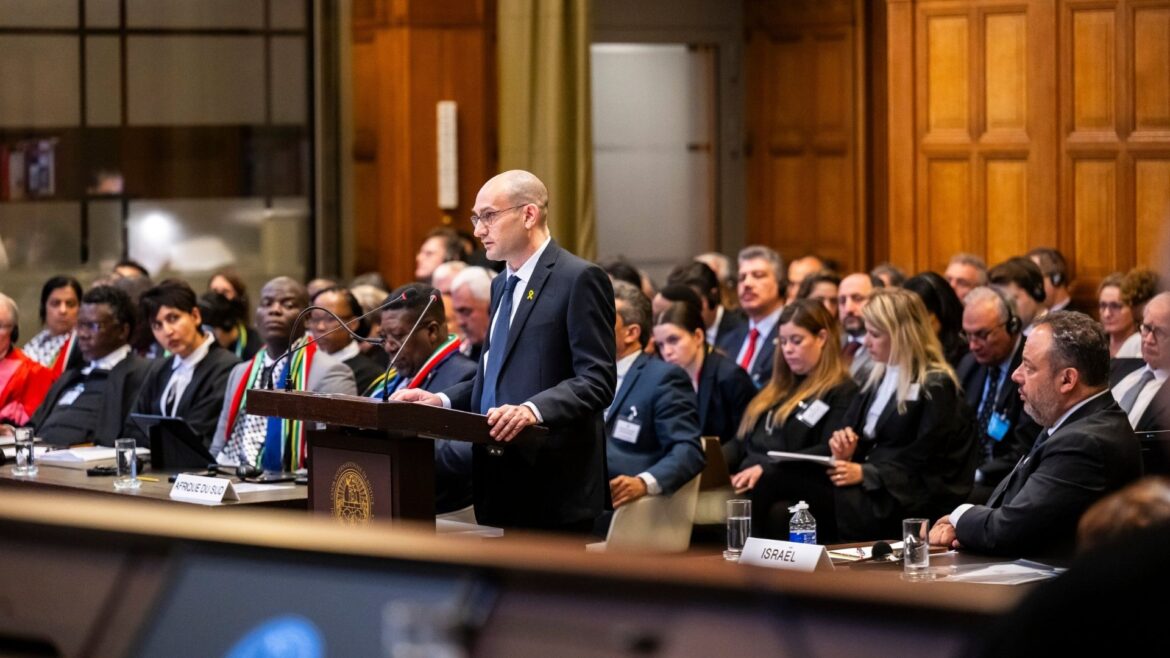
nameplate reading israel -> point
(776, 554)
(202, 489)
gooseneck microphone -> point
(291, 351)
(390, 366)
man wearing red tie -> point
(752, 345)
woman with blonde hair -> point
(797, 411)
(906, 447)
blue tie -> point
(272, 456)
(487, 399)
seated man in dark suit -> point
(89, 404)
(190, 384)
(1143, 393)
(993, 331)
(429, 360)
(1086, 450)
(652, 427)
(761, 287)
(340, 344)
(471, 295)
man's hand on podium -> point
(507, 420)
(417, 395)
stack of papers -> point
(87, 457)
(1006, 573)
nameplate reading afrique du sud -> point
(203, 489)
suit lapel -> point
(497, 296)
(627, 385)
(706, 384)
(531, 295)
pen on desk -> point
(147, 478)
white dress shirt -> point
(182, 371)
(1145, 397)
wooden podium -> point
(373, 459)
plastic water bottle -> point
(802, 528)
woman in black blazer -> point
(797, 412)
(908, 448)
(724, 389)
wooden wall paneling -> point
(1152, 207)
(1094, 188)
(804, 135)
(1007, 202)
(416, 56)
(1151, 74)
(899, 199)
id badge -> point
(998, 426)
(813, 413)
(625, 430)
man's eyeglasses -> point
(979, 336)
(489, 217)
(1160, 334)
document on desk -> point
(10, 451)
(779, 456)
(85, 457)
(1005, 573)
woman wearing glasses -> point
(797, 411)
(1120, 301)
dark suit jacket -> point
(202, 399)
(1035, 510)
(731, 342)
(1023, 430)
(794, 435)
(919, 463)
(453, 470)
(667, 445)
(731, 320)
(724, 392)
(365, 371)
(121, 392)
(559, 355)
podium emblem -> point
(352, 495)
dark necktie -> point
(987, 409)
(499, 343)
(1131, 396)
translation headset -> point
(1014, 324)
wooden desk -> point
(75, 480)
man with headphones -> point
(993, 332)
(1056, 284)
(1020, 280)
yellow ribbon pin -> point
(531, 295)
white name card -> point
(203, 489)
(777, 554)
